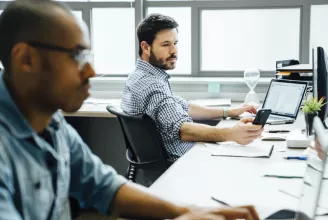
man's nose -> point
(174, 50)
(88, 71)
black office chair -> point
(145, 149)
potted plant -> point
(310, 109)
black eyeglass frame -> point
(82, 56)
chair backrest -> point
(141, 138)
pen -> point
(290, 194)
(278, 131)
(280, 122)
(220, 201)
(296, 157)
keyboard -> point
(276, 118)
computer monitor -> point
(320, 83)
(313, 177)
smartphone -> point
(261, 117)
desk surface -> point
(97, 107)
(197, 176)
(91, 110)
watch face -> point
(225, 113)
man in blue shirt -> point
(148, 91)
(46, 56)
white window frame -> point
(197, 6)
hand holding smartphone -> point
(261, 117)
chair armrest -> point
(169, 162)
(145, 165)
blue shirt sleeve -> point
(93, 183)
(8, 210)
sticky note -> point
(213, 87)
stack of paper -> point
(232, 149)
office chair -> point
(145, 150)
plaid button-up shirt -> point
(148, 91)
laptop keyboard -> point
(275, 118)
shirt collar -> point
(13, 119)
(147, 67)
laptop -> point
(312, 181)
(284, 98)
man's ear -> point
(24, 57)
(145, 48)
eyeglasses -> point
(81, 56)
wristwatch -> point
(225, 113)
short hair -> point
(151, 25)
(27, 20)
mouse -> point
(283, 214)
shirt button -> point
(37, 185)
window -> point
(77, 13)
(92, 0)
(183, 17)
(319, 30)
(111, 0)
(234, 40)
(216, 37)
(113, 40)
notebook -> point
(232, 149)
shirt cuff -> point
(178, 124)
(103, 205)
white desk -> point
(95, 108)
(91, 110)
(197, 176)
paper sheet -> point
(232, 149)
(289, 169)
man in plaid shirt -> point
(148, 91)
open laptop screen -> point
(284, 97)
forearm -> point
(195, 132)
(132, 201)
(198, 112)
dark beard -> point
(160, 63)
